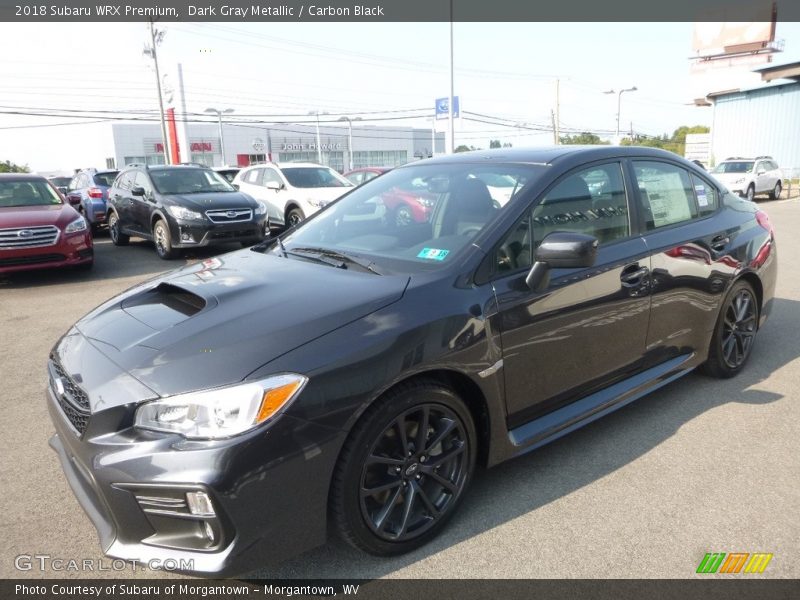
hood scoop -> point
(164, 306)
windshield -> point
(413, 218)
(739, 166)
(27, 193)
(60, 181)
(228, 174)
(314, 177)
(106, 178)
(189, 181)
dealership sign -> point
(194, 147)
(301, 147)
(442, 105)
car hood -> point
(35, 216)
(212, 200)
(215, 322)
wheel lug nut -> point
(422, 458)
(418, 475)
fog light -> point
(209, 531)
(186, 237)
(200, 504)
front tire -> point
(114, 231)
(750, 194)
(734, 334)
(163, 241)
(776, 192)
(404, 470)
(294, 217)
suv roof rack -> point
(768, 157)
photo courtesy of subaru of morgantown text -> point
(222, 413)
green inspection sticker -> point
(433, 253)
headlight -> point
(221, 412)
(77, 225)
(425, 202)
(318, 203)
(181, 212)
(261, 209)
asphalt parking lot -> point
(700, 466)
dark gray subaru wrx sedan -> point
(355, 371)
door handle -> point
(720, 242)
(632, 275)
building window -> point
(111, 163)
(379, 158)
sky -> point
(385, 70)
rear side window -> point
(106, 178)
(125, 181)
(253, 176)
(666, 193)
(705, 195)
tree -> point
(9, 167)
(582, 139)
(465, 148)
(494, 144)
(675, 143)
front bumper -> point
(70, 251)
(269, 489)
(194, 234)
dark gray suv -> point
(181, 207)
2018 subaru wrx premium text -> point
(355, 370)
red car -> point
(38, 229)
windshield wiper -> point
(340, 256)
(315, 255)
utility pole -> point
(555, 127)
(557, 117)
(155, 38)
(451, 144)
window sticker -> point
(668, 201)
(433, 253)
(702, 198)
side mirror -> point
(62, 189)
(137, 191)
(760, 172)
(560, 250)
(273, 185)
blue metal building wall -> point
(765, 121)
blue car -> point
(88, 193)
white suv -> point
(292, 191)
(750, 176)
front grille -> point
(232, 235)
(31, 260)
(232, 215)
(73, 401)
(28, 237)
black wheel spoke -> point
(440, 436)
(380, 488)
(440, 459)
(423, 496)
(384, 460)
(443, 481)
(381, 519)
(422, 430)
(400, 423)
(409, 499)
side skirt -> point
(560, 422)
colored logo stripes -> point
(734, 562)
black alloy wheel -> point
(405, 469)
(403, 216)
(735, 332)
(117, 237)
(776, 192)
(750, 194)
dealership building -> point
(241, 145)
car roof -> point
(21, 177)
(283, 165)
(548, 155)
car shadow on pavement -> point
(523, 485)
(138, 259)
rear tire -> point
(750, 194)
(117, 237)
(775, 194)
(394, 487)
(163, 241)
(734, 333)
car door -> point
(762, 176)
(142, 206)
(690, 267)
(587, 329)
(275, 199)
(120, 198)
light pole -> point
(219, 114)
(451, 143)
(155, 39)
(619, 102)
(350, 139)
